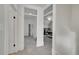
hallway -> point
(31, 49)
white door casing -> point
(12, 41)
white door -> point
(12, 42)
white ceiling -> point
(41, 6)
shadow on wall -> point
(65, 42)
(65, 39)
(77, 43)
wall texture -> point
(75, 24)
(20, 26)
(2, 30)
(40, 26)
(12, 30)
(65, 38)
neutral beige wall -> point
(20, 26)
(75, 18)
(65, 38)
(12, 30)
(40, 26)
(2, 30)
(75, 24)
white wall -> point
(19, 29)
(75, 18)
(65, 38)
(30, 20)
(67, 15)
(40, 26)
(75, 24)
(12, 29)
(20, 26)
(2, 31)
(46, 23)
(4, 17)
(54, 28)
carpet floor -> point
(31, 49)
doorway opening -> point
(33, 23)
(48, 31)
(30, 29)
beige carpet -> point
(31, 49)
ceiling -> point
(27, 17)
(28, 11)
